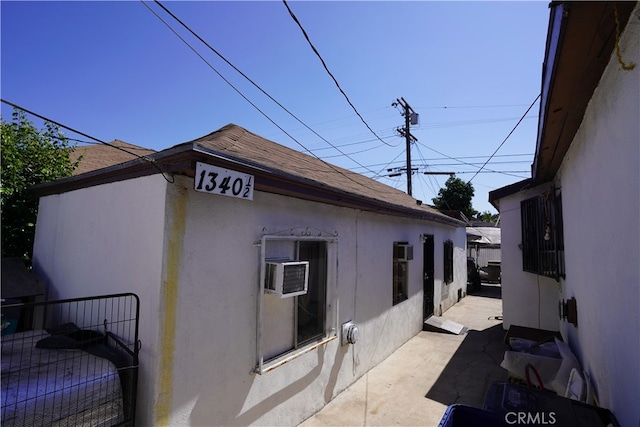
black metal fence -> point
(72, 362)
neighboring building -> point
(193, 243)
(98, 156)
(483, 243)
(570, 234)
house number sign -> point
(215, 180)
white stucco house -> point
(570, 234)
(230, 215)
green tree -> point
(487, 216)
(456, 196)
(29, 157)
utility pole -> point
(410, 118)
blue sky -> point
(470, 69)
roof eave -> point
(580, 42)
(182, 158)
(500, 193)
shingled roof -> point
(277, 169)
(236, 142)
(94, 157)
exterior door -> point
(427, 275)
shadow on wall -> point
(202, 414)
(472, 369)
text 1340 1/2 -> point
(215, 180)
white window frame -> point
(331, 317)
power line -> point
(478, 163)
(146, 158)
(454, 158)
(306, 36)
(219, 74)
(438, 125)
(505, 140)
(475, 106)
(489, 171)
(421, 127)
(468, 164)
(335, 168)
(379, 174)
(247, 78)
(475, 164)
(431, 178)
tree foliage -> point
(29, 157)
(487, 216)
(456, 195)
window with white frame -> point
(286, 323)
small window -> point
(542, 235)
(448, 262)
(400, 271)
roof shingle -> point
(239, 143)
(93, 157)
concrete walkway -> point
(414, 386)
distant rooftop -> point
(100, 156)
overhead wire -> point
(438, 125)
(324, 64)
(430, 178)
(452, 164)
(510, 162)
(274, 100)
(46, 119)
(489, 171)
(466, 163)
(473, 106)
(435, 192)
(507, 137)
(379, 174)
(248, 79)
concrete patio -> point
(414, 386)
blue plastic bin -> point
(459, 415)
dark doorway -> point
(427, 275)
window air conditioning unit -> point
(404, 252)
(286, 278)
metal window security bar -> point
(76, 364)
(542, 235)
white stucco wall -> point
(527, 299)
(193, 260)
(213, 351)
(600, 179)
(103, 240)
(600, 184)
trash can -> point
(525, 405)
(459, 415)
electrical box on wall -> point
(286, 278)
(350, 333)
